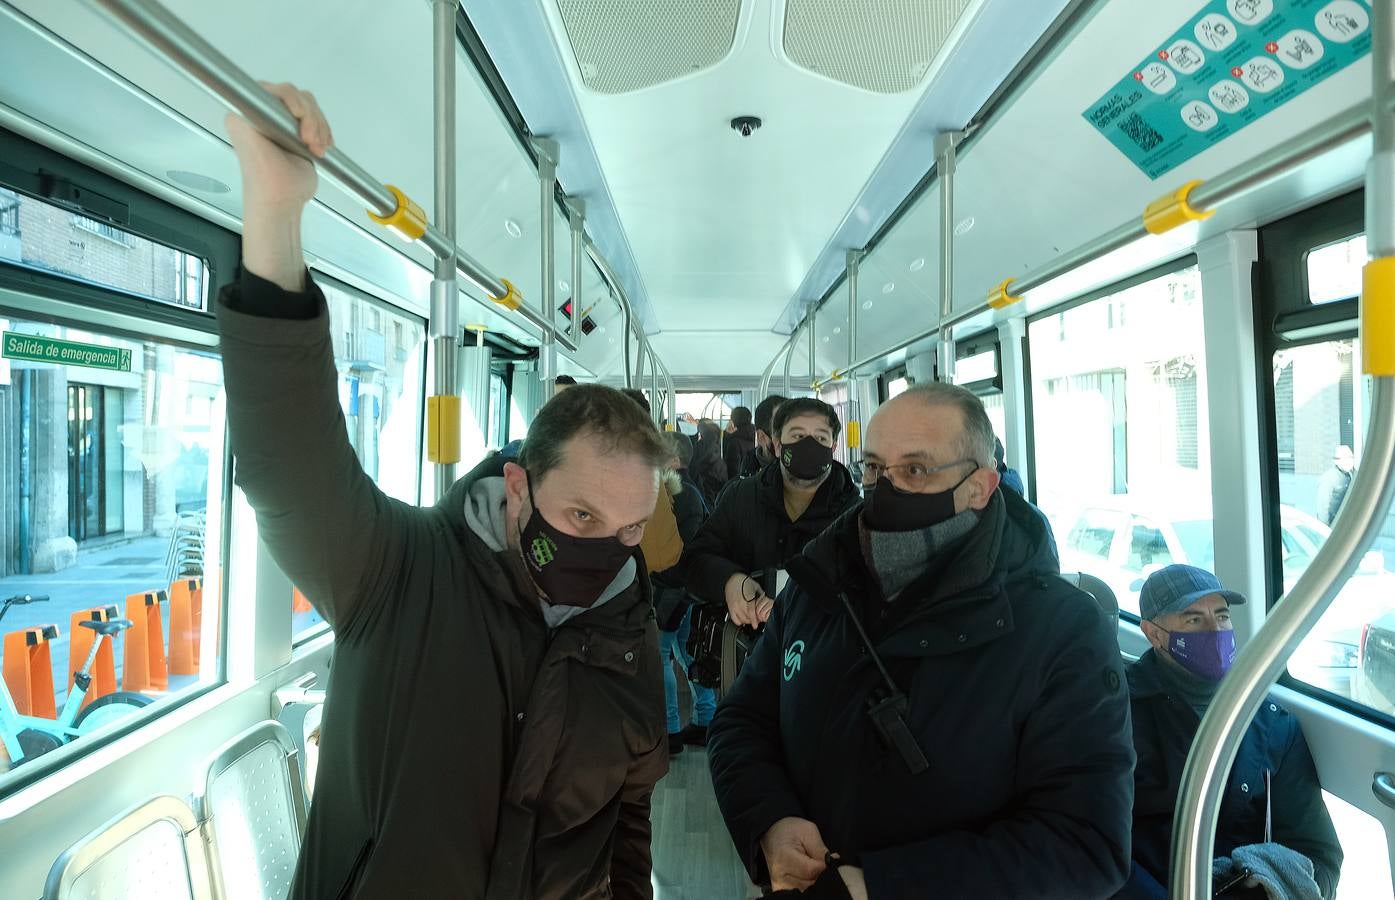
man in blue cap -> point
(1274, 836)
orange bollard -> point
(143, 668)
(80, 644)
(28, 670)
(186, 624)
(298, 602)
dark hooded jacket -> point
(735, 447)
(1164, 727)
(469, 750)
(1016, 697)
(750, 531)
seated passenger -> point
(1273, 819)
(766, 519)
(495, 712)
(672, 608)
(1010, 479)
(930, 703)
(763, 454)
(740, 440)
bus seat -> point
(1102, 593)
(252, 808)
(153, 851)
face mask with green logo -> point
(569, 571)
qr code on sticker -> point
(1142, 134)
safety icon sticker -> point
(1231, 64)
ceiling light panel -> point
(885, 46)
(622, 46)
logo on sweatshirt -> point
(793, 657)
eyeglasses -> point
(911, 476)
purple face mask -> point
(1206, 654)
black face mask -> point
(888, 508)
(806, 458)
(570, 571)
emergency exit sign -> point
(32, 348)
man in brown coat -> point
(495, 721)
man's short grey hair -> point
(976, 440)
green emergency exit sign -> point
(32, 348)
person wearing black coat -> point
(1272, 813)
(764, 520)
(739, 441)
(932, 710)
(763, 453)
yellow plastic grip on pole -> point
(1001, 298)
(1378, 317)
(1171, 210)
(668, 426)
(512, 299)
(854, 431)
(408, 219)
(443, 428)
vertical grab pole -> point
(1358, 522)
(813, 348)
(789, 357)
(443, 409)
(548, 151)
(576, 218)
(656, 408)
(946, 144)
(853, 429)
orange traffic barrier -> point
(80, 644)
(144, 661)
(186, 625)
(28, 670)
(298, 602)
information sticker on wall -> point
(1235, 61)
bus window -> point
(1319, 408)
(1334, 270)
(1118, 399)
(112, 461)
(379, 353)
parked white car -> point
(1123, 541)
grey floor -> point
(694, 858)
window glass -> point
(1093, 533)
(1118, 400)
(897, 386)
(706, 405)
(498, 397)
(1334, 270)
(1321, 405)
(997, 414)
(111, 463)
(379, 353)
(41, 235)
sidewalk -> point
(102, 576)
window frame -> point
(38, 296)
(1281, 301)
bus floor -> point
(694, 858)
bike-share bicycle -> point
(26, 737)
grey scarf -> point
(898, 558)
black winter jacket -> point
(1164, 728)
(1016, 698)
(750, 530)
(671, 597)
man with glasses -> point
(932, 710)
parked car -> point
(1124, 540)
(1374, 679)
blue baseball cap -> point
(1174, 588)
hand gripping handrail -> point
(1358, 522)
(169, 38)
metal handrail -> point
(1358, 522)
(787, 347)
(153, 24)
(1237, 181)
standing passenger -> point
(930, 702)
(494, 723)
(708, 469)
(766, 519)
(662, 545)
(740, 440)
(764, 452)
(1334, 484)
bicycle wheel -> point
(109, 708)
(33, 743)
